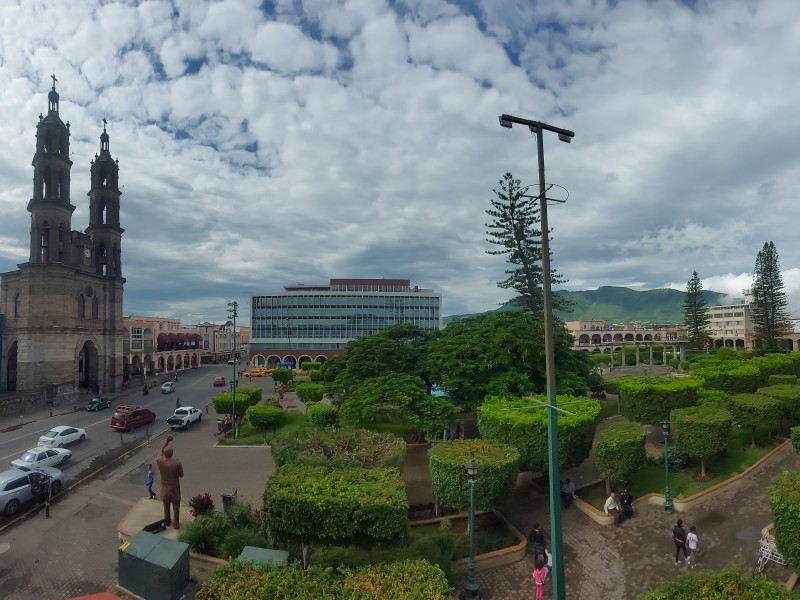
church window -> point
(95, 308)
(81, 307)
(17, 305)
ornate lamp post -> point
(233, 312)
(471, 587)
(668, 508)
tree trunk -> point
(702, 467)
(608, 486)
(753, 437)
(305, 556)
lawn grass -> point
(686, 482)
(608, 408)
(250, 436)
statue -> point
(170, 470)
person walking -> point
(679, 537)
(538, 542)
(177, 402)
(612, 508)
(692, 541)
(539, 577)
(150, 479)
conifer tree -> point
(695, 312)
(770, 319)
(516, 230)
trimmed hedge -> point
(245, 398)
(522, 423)
(784, 496)
(712, 398)
(264, 417)
(723, 585)
(701, 431)
(782, 380)
(773, 364)
(497, 474)
(649, 400)
(309, 392)
(730, 376)
(329, 506)
(310, 366)
(619, 451)
(795, 433)
(322, 415)
(753, 410)
(340, 448)
(788, 394)
(406, 580)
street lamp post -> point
(668, 508)
(233, 311)
(471, 586)
(288, 334)
(556, 542)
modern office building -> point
(314, 322)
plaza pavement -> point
(75, 552)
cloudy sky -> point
(264, 143)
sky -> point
(270, 143)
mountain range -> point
(624, 305)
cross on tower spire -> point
(104, 124)
(53, 77)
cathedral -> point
(63, 329)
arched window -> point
(81, 307)
(95, 310)
(17, 305)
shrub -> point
(782, 380)
(205, 535)
(309, 392)
(677, 459)
(308, 367)
(522, 423)
(620, 451)
(281, 375)
(241, 514)
(716, 398)
(752, 410)
(724, 585)
(788, 394)
(265, 417)
(497, 474)
(223, 403)
(322, 415)
(239, 537)
(338, 448)
(729, 376)
(649, 400)
(315, 376)
(795, 433)
(784, 497)
(415, 579)
(611, 386)
(701, 431)
(773, 364)
(674, 363)
(201, 504)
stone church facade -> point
(63, 308)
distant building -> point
(314, 322)
(219, 344)
(155, 345)
(731, 325)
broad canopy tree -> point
(695, 312)
(770, 319)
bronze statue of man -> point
(170, 470)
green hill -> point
(624, 305)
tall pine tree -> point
(770, 319)
(516, 230)
(695, 312)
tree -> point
(754, 410)
(515, 230)
(701, 431)
(620, 451)
(264, 417)
(770, 319)
(784, 495)
(695, 312)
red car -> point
(219, 381)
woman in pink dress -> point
(539, 577)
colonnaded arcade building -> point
(63, 307)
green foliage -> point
(310, 366)
(281, 375)
(729, 376)
(201, 504)
(712, 398)
(308, 391)
(726, 354)
(619, 450)
(674, 363)
(239, 537)
(612, 386)
(784, 494)
(754, 410)
(788, 394)
(318, 504)
(782, 379)
(722, 585)
(795, 433)
(522, 423)
(768, 313)
(265, 417)
(497, 474)
(206, 534)
(695, 312)
(701, 431)
(339, 448)
(773, 364)
(677, 459)
(648, 400)
(407, 580)
(432, 414)
(223, 404)
(322, 415)
(316, 376)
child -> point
(692, 542)
(539, 577)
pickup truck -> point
(183, 417)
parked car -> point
(219, 381)
(231, 362)
(19, 486)
(184, 416)
(42, 457)
(168, 387)
(98, 403)
(128, 418)
(61, 436)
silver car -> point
(19, 486)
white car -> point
(61, 436)
(168, 387)
(184, 417)
(42, 457)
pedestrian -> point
(539, 577)
(679, 537)
(150, 478)
(177, 402)
(538, 542)
(612, 508)
(692, 542)
(567, 492)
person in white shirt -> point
(612, 508)
(692, 542)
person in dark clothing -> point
(538, 543)
(626, 500)
(679, 537)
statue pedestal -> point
(145, 512)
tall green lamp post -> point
(471, 587)
(233, 311)
(668, 507)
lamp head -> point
(472, 467)
(565, 138)
(504, 122)
(665, 425)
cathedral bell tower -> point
(50, 208)
(104, 228)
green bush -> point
(206, 534)
(340, 448)
(773, 364)
(497, 474)
(788, 394)
(316, 376)
(310, 366)
(701, 431)
(723, 585)
(264, 417)
(716, 398)
(754, 410)
(782, 380)
(784, 494)
(648, 400)
(309, 392)
(729, 376)
(611, 386)
(410, 579)
(223, 403)
(619, 451)
(795, 433)
(677, 459)
(522, 423)
(322, 505)
(239, 537)
(674, 363)
(281, 375)
(322, 415)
